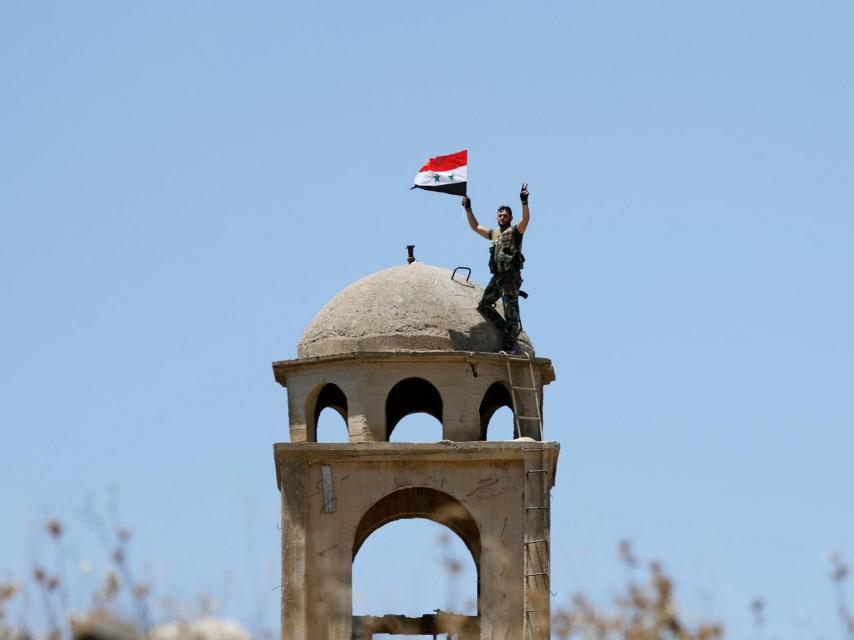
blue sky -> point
(184, 185)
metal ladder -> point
(514, 389)
(536, 553)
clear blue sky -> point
(183, 185)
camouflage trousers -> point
(505, 286)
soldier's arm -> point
(526, 214)
(481, 231)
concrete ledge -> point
(282, 367)
(415, 452)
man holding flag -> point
(448, 174)
(505, 264)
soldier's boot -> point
(488, 311)
(511, 348)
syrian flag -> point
(444, 173)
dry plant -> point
(51, 586)
(116, 539)
(42, 600)
(8, 591)
(644, 612)
(453, 567)
(757, 609)
(839, 575)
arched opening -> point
(502, 425)
(418, 427)
(325, 424)
(331, 426)
(412, 395)
(441, 576)
(385, 539)
(493, 423)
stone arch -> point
(328, 395)
(411, 395)
(497, 396)
(421, 502)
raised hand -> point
(523, 193)
(466, 203)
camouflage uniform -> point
(505, 264)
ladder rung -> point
(539, 573)
(527, 418)
(531, 508)
(533, 610)
(525, 389)
(537, 471)
(535, 541)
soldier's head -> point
(505, 216)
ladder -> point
(536, 552)
(532, 389)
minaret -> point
(407, 340)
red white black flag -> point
(444, 173)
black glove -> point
(466, 203)
(523, 194)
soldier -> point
(505, 264)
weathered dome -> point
(414, 307)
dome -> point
(413, 307)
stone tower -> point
(406, 340)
